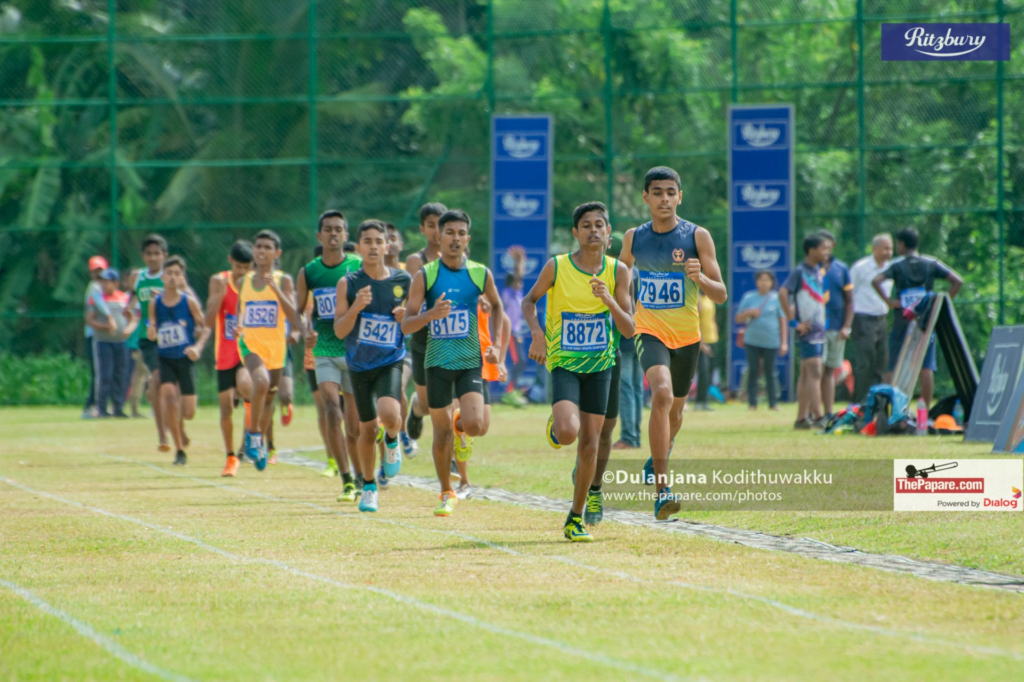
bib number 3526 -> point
(662, 290)
(454, 326)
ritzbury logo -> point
(760, 196)
(759, 135)
(949, 42)
(521, 206)
(759, 257)
(521, 146)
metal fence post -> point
(861, 136)
(314, 208)
(1000, 214)
(609, 149)
(734, 47)
(112, 152)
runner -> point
(174, 317)
(674, 257)
(147, 285)
(588, 306)
(450, 287)
(320, 278)
(265, 299)
(429, 215)
(233, 381)
(368, 316)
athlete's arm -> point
(621, 306)
(301, 298)
(876, 283)
(345, 315)
(538, 340)
(193, 352)
(151, 324)
(784, 302)
(497, 317)
(955, 282)
(217, 291)
(286, 296)
(709, 276)
(132, 299)
(418, 291)
(848, 313)
(626, 253)
(413, 264)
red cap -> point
(98, 263)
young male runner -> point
(233, 379)
(429, 215)
(450, 287)
(674, 257)
(147, 285)
(319, 279)
(265, 299)
(174, 317)
(368, 316)
(588, 305)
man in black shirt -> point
(913, 276)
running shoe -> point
(359, 484)
(272, 452)
(464, 492)
(463, 443)
(549, 431)
(594, 511)
(447, 505)
(368, 500)
(331, 469)
(666, 505)
(380, 433)
(803, 425)
(410, 448)
(91, 413)
(348, 492)
(231, 468)
(256, 453)
(286, 415)
(382, 479)
(649, 465)
(163, 447)
(575, 531)
(414, 423)
(392, 458)
(180, 459)
(455, 470)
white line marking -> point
(286, 457)
(87, 631)
(394, 596)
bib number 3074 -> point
(584, 332)
(662, 290)
(454, 326)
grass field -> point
(116, 565)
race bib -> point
(230, 325)
(911, 297)
(378, 330)
(170, 335)
(662, 290)
(585, 332)
(325, 299)
(260, 314)
(455, 326)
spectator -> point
(913, 276)
(870, 352)
(631, 390)
(838, 322)
(93, 292)
(512, 301)
(137, 372)
(765, 337)
(111, 327)
(806, 312)
(708, 337)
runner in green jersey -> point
(319, 278)
(148, 284)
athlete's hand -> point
(192, 353)
(399, 313)
(600, 290)
(783, 349)
(693, 268)
(441, 308)
(893, 304)
(491, 355)
(311, 337)
(151, 332)
(538, 349)
(502, 372)
(363, 298)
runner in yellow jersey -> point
(265, 300)
(588, 305)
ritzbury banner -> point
(760, 213)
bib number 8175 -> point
(454, 326)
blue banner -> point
(521, 196)
(946, 42)
(760, 214)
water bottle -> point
(958, 413)
(922, 418)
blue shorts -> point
(896, 344)
(809, 351)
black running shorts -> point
(179, 371)
(613, 391)
(226, 378)
(682, 362)
(589, 391)
(443, 385)
(149, 353)
(311, 377)
(419, 370)
(379, 382)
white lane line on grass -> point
(87, 631)
(561, 647)
(287, 458)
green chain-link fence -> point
(208, 121)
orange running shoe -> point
(286, 416)
(231, 468)
(163, 447)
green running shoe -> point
(348, 492)
(594, 511)
(550, 434)
(331, 469)
(575, 531)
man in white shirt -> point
(871, 352)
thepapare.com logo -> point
(945, 42)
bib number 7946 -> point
(662, 290)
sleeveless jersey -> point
(489, 371)
(418, 341)
(146, 287)
(377, 338)
(580, 332)
(322, 283)
(454, 341)
(261, 324)
(666, 298)
(175, 327)
(225, 340)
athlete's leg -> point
(566, 426)
(604, 451)
(659, 428)
(487, 419)
(352, 430)
(586, 457)
(390, 412)
(444, 441)
(827, 388)
(366, 444)
(810, 402)
(334, 438)
(471, 413)
(188, 407)
(226, 399)
(169, 393)
(267, 416)
(260, 392)
(419, 406)
(286, 393)
(321, 419)
(155, 399)
(927, 378)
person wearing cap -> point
(93, 291)
(112, 323)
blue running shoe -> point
(666, 505)
(382, 479)
(649, 465)
(410, 448)
(256, 453)
(368, 500)
(392, 458)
